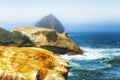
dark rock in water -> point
(50, 22)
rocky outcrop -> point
(29, 63)
(50, 22)
(50, 39)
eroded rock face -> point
(50, 22)
(50, 39)
(31, 64)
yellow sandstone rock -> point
(29, 63)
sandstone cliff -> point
(50, 22)
(31, 64)
(50, 39)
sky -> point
(76, 15)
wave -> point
(93, 58)
(70, 35)
(93, 53)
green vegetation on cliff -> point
(14, 39)
(51, 35)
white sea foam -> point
(90, 59)
(70, 35)
(91, 54)
(88, 55)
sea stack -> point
(50, 22)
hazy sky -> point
(69, 12)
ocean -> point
(101, 60)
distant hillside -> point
(13, 39)
(50, 22)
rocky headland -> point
(49, 39)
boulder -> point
(50, 39)
(30, 63)
(50, 22)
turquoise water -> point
(101, 59)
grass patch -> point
(10, 38)
(51, 35)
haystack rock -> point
(50, 22)
(29, 63)
(50, 39)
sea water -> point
(101, 60)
